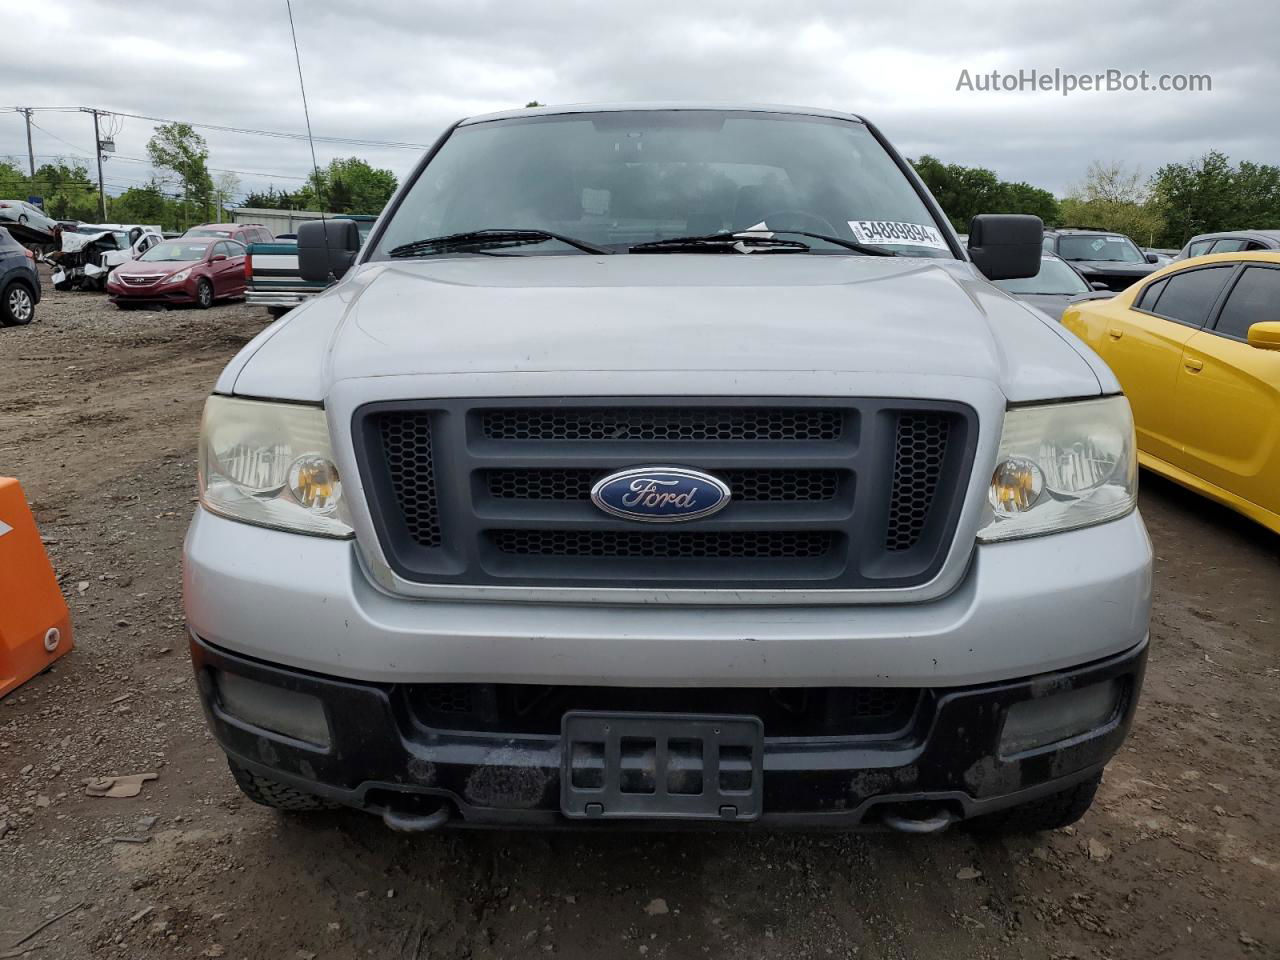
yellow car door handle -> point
(1193, 365)
(1115, 333)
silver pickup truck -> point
(669, 463)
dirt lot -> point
(98, 416)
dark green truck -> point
(271, 272)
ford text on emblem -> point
(660, 494)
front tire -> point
(17, 305)
(271, 793)
(204, 294)
(1048, 813)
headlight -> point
(271, 464)
(179, 276)
(1063, 466)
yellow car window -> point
(1188, 296)
(1252, 300)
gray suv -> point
(676, 463)
(19, 282)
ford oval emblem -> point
(660, 494)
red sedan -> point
(195, 270)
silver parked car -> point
(26, 215)
(669, 463)
(1057, 284)
(1230, 241)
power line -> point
(117, 156)
(249, 131)
(244, 173)
(60, 140)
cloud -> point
(401, 70)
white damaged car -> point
(92, 251)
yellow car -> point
(1196, 346)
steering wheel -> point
(787, 217)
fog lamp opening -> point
(1059, 716)
(297, 715)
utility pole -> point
(97, 142)
(31, 157)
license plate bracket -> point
(661, 766)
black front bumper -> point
(382, 758)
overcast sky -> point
(401, 70)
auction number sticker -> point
(896, 233)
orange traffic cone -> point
(35, 626)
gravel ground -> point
(1180, 857)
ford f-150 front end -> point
(669, 464)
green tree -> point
(14, 184)
(964, 192)
(1024, 198)
(1111, 182)
(1258, 194)
(1209, 194)
(225, 188)
(176, 147)
(1139, 221)
(143, 205)
(1113, 196)
(350, 185)
(68, 192)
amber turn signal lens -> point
(314, 483)
(1016, 486)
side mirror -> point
(1006, 246)
(1098, 285)
(1265, 336)
(327, 248)
(217, 256)
(1152, 258)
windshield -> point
(179, 250)
(614, 180)
(208, 232)
(1111, 247)
(1054, 277)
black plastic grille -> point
(785, 711)
(827, 494)
(920, 452)
(663, 423)
(751, 486)
(406, 441)
(627, 543)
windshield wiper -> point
(869, 249)
(719, 243)
(744, 241)
(488, 239)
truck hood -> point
(668, 313)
